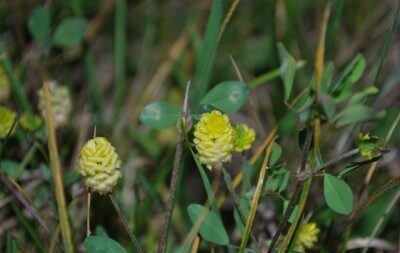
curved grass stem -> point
(125, 223)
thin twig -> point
(24, 202)
(228, 182)
(175, 175)
(125, 223)
(295, 195)
(88, 214)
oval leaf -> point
(287, 69)
(160, 114)
(39, 24)
(70, 32)
(338, 194)
(211, 229)
(102, 244)
(227, 96)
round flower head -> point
(30, 122)
(213, 139)
(244, 137)
(7, 118)
(99, 164)
(307, 236)
(4, 85)
(61, 103)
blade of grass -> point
(33, 233)
(120, 53)
(257, 195)
(206, 58)
(18, 92)
(57, 174)
(19, 195)
(228, 17)
(96, 96)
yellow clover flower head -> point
(7, 118)
(307, 236)
(4, 85)
(61, 103)
(244, 137)
(213, 139)
(99, 164)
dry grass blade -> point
(57, 174)
(257, 194)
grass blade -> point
(120, 52)
(207, 55)
(57, 175)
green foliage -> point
(338, 194)
(70, 32)
(287, 69)
(102, 244)
(228, 96)
(205, 60)
(353, 72)
(39, 24)
(160, 114)
(369, 145)
(212, 228)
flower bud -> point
(244, 137)
(7, 118)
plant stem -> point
(175, 175)
(125, 223)
(295, 195)
(57, 175)
(88, 214)
(236, 200)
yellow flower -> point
(7, 118)
(99, 164)
(61, 103)
(4, 85)
(213, 139)
(307, 236)
(244, 137)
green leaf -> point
(102, 244)
(359, 96)
(227, 96)
(338, 194)
(11, 168)
(70, 32)
(354, 114)
(211, 229)
(160, 114)
(39, 24)
(276, 152)
(328, 105)
(287, 69)
(353, 72)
